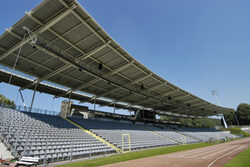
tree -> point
(194, 122)
(230, 118)
(243, 114)
(6, 102)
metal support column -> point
(236, 119)
(53, 102)
(136, 114)
(95, 103)
(33, 97)
(215, 93)
(224, 121)
(24, 105)
(130, 110)
(143, 115)
(94, 106)
(114, 106)
(70, 93)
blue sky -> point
(197, 45)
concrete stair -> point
(4, 153)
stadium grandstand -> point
(59, 49)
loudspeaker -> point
(100, 66)
(142, 87)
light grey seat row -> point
(46, 136)
(113, 132)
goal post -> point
(124, 136)
(218, 137)
(183, 140)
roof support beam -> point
(211, 108)
(66, 66)
(91, 81)
(39, 30)
(173, 110)
(198, 104)
(167, 93)
(100, 37)
(191, 100)
(84, 55)
(162, 95)
(94, 32)
(40, 84)
(2, 49)
(157, 86)
(109, 73)
(141, 79)
(13, 34)
(121, 67)
(39, 65)
(181, 97)
(30, 61)
(116, 89)
(141, 102)
(126, 88)
(54, 55)
(31, 84)
(50, 42)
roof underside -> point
(69, 50)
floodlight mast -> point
(215, 93)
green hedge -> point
(237, 131)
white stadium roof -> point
(72, 50)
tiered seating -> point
(247, 130)
(167, 132)
(219, 134)
(48, 137)
(52, 138)
(191, 133)
(205, 134)
(112, 131)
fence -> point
(33, 110)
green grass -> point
(241, 160)
(134, 155)
(237, 131)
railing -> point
(33, 110)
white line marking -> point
(197, 150)
(211, 150)
(204, 151)
(184, 157)
(187, 151)
(225, 155)
(228, 148)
